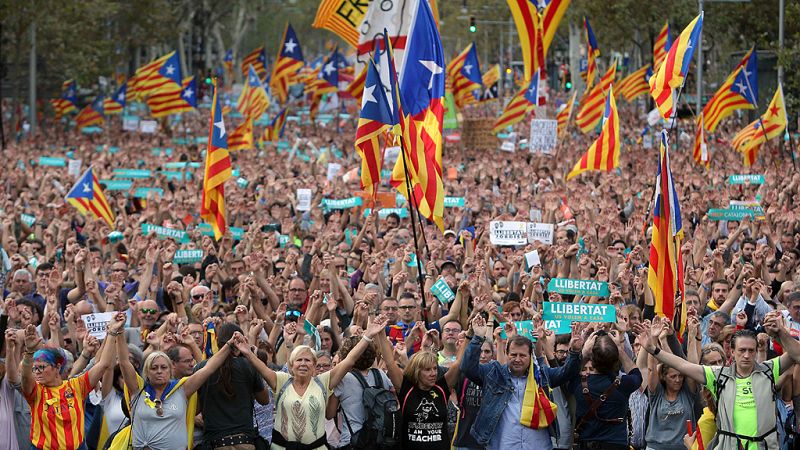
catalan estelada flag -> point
(88, 198)
(116, 104)
(551, 17)
(167, 102)
(288, 62)
(162, 74)
(258, 59)
(672, 71)
(664, 271)
(253, 100)
(464, 73)
(592, 53)
(341, 17)
(217, 171)
(91, 114)
(519, 106)
(227, 61)
(242, 137)
(274, 130)
(531, 34)
(591, 107)
(603, 155)
(770, 125)
(422, 91)
(375, 118)
(636, 83)
(739, 91)
(662, 45)
(564, 115)
(491, 84)
(68, 101)
(356, 87)
(700, 148)
(538, 412)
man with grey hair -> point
(22, 283)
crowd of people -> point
(315, 329)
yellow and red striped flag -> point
(672, 72)
(770, 125)
(591, 107)
(287, 63)
(274, 130)
(116, 104)
(664, 276)
(635, 84)
(592, 53)
(520, 105)
(565, 114)
(253, 100)
(551, 18)
(464, 74)
(700, 148)
(531, 33)
(242, 137)
(88, 198)
(749, 155)
(342, 17)
(168, 102)
(217, 171)
(68, 100)
(162, 74)
(376, 117)
(739, 91)
(356, 87)
(604, 153)
(491, 85)
(662, 45)
(91, 114)
(258, 59)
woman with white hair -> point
(160, 405)
(301, 395)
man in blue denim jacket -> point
(498, 423)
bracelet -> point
(85, 357)
(27, 353)
(699, 338)
(115, 333)
(366, 338)
(656, 351)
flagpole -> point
(412, 207)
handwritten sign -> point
(578, 312)
(592, 288)
(543, 136)
(74, 168)
(96, 323)
(508, 233)
(304, 199)
(333, 170)
(443, 292)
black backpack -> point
(381, 416)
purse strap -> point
(594, 403)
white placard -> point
(304, 199)
(148, 126)
(508, 233)
(508, 146)
(532, 259)
(653, 117)
(704, 152)
(536, 215)
(333, 170)
(390, 156)
(544, 134)
(130, 123)
(74, 167)
(542, 232)
(96, 323)
(647, 141)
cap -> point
(446, 232)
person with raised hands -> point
(744, 391)
(57, 404)
(301, 394)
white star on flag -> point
(468, 69)
(434, 68)
(221, 126)
(742, 88)
(369, 95)
(121, 97)
(170, 69)
(188, 93)
(329, 68)
(86, 187)
(289, 46)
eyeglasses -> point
(39, 368)
(394, 308)
(186, 361)
(159, 408)
(407, 307)
(452, 330)
(198, 296)
(119, 270)
(297, 290)
(148, 311)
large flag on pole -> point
(464, 74)
(421, 84)
(770, 125)
(535, 30)
(662, 45)
(341, 17)
(519, 106)
(167, 102)
(593, 103)
(663, 275)
(592, 52)
(636, 83)
(88, 198)
(253, 100)
(672, 72)
(374, 120)
(288, 62)
(739, 91)
(217, 171)
(256, 59)
(604, 152)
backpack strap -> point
(378, 379)
(361, 380)
(722, 379)
(596, 403)
(282, 390)
(321, 387)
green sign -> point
(27, 219)
(188, 256)
(132, 173)
(454, 202)
(450, 118)
(568, 286)
(558, 326)
(524, 328)
(165, 233)
(384, 213)
(143, 192)
(578, 312)
(283, 239)
(173, 175)
(345, 203)
(730, 214)
(52, 161)
(443, 292)
(746, 179)
(753, 206)
(117, 185)
(206, 230)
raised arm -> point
(693, 371)
(774, 325)
(115, 329)
(392, 369)
(376, 328)
(32, 343)
(268, 374)
(197, 379)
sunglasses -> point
(148, 311)
(294, 313)
(198, 296)
(39, 369)
(159, 408)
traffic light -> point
(473, 27)
(568, 81)
(208, 80)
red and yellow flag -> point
(603, 155)
(662, 45)
(770, 125)
(591, 107)
(672, 72)
(565, 114)
(634, 84)
(242, 136)
(217, 171)
(341, 17)
(700, 148)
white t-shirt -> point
(112, 410)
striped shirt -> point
(57, 415)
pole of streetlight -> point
(32, 81)
(699, 100)
(780, 38)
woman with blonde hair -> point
(301, 394)
(161, 410)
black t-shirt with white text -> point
(425, 416)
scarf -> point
(537, 410)
(210, 341)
